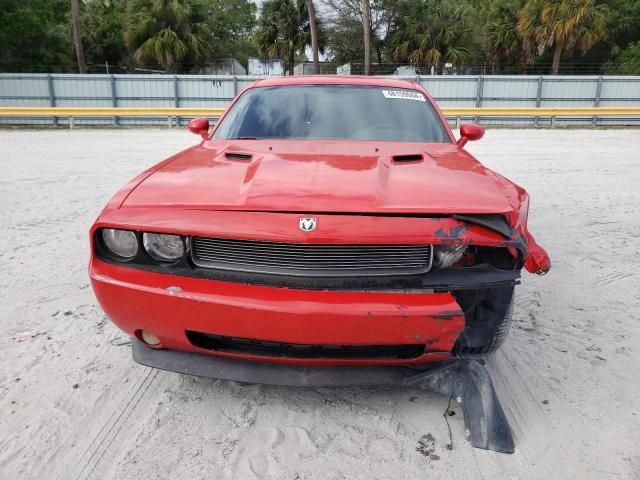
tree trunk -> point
(77, 39)
(314, 36)
(291, 60)
(366, 26)
(556, 58)
(524, 62)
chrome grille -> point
(308, 259)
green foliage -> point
(183, 35)
(231, 23)
(430, 32)
(169, 33)
(624, 25)
(500, 34)
(283, 30)
(102, 33)
(562, 24)
(626, 62)
(35, 36)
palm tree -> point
(430, 33)
(501, 36)
(366, 26)
(77, 38)
(167, 32)
(562, 24)
(284, 30)
(314, 35)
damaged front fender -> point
(537, 260)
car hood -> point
(326, 176)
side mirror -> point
(470, 131)
(199, 126)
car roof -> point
(335, 80)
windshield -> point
(333, 112)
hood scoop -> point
(412, 157)
(238, 156)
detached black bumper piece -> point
(465, 380)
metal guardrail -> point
(115, 112)
(536, 113)
(542, 112)
(108, 112)
(34, 90)
(457, 113)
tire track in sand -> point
(100, 445)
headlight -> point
(162, 247)
(446, 255)
(121, 243)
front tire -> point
(488, 315)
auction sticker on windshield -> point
(404, 95)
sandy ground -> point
(73, 404)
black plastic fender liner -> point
(465, 380)
(468, 382)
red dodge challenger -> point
(322, 222)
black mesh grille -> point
(296, 350)
(306, 259)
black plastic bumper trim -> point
(463, 379)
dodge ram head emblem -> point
(307, 224)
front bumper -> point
(169, 306)
(465, 380)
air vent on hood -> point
(238, 156)
(414, 157)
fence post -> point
(479, 91)
(114, 99)
(235, 86)
(52, 97)
(538, 99)
(176, 100)
(596, 102)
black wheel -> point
(488, 315)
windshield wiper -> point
(243, 138)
